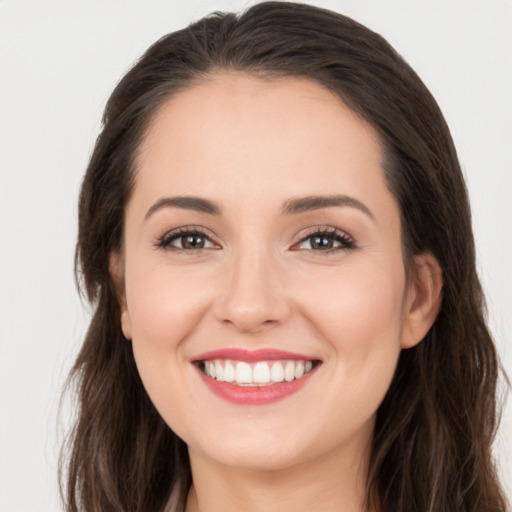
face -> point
(263, 245)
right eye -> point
(186, 240)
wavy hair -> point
(431, 448)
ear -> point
(423, 300)
(116, 269)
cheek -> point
(164, 308)
(358, 312)
(163, 305)
(357, 301)
(359, 319)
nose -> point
(253, 297)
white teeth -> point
(277, 373)
(243, 373)
(219, 371)
(260, 373)
(229, 372)
(289, 371)
(299, 370)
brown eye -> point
(331, 240)
(321, 242)
(186, 241)
(194, 241)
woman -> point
(275, 233)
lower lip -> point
(255, 395)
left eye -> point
(190, 240)
(325, 240)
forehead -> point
(233, 134)
(254, 105)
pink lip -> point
(255, 395)
(264, 354)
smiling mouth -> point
(260, 373)
(255, 377)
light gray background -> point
(58, 62)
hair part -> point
(432, 445)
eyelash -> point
(164, 242)
(346, 243)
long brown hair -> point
(432, 441)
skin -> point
(250, 145)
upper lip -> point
(262, 354)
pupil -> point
(321, 242)
(193, 242)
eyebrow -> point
(290, 207)
(308, 203)
(185, 202)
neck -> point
(335, 481)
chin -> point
(257, 458)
